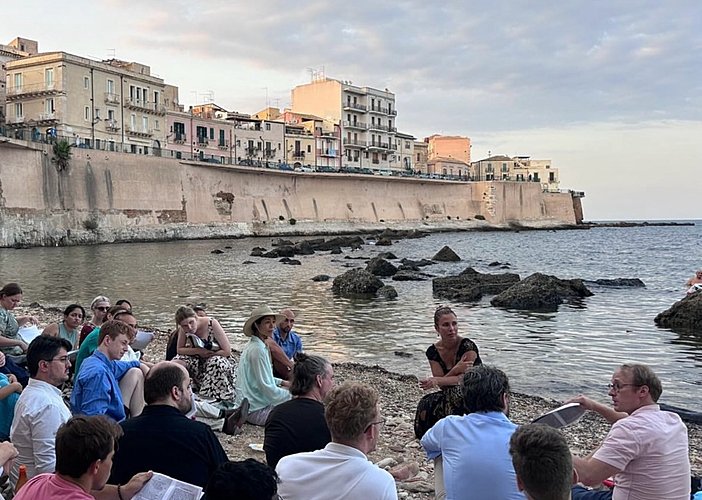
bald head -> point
(286, 324)
(164, 382)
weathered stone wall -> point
(107, 196)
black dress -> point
(449, 400)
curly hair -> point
(349, 409)
(245, 480)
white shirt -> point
(39, 413)
(337, 472)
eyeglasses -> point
(380, 422)
(61, 359)
(619, 387)
(103, 308)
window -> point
(504, 167)
(110, 86)
(221, 138)
(86, 113)
(49, 108)
(49, 77)
(201, 134)
(145, 123)
(268, 147)
(157, 97)
(133, 121)
(132, 92)
(157, 125)
(19, 110)
(384, 157)
(309, 148)
(268, 126)
(418, 157)
(97, 113)
(18, 81)
(211, 133)
(86, 82)
(111, 115)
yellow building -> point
(113, 105)
(405, 153)
(448, 146)
(518, 168)
(365, 116)
(16, 49)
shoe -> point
(235, 419)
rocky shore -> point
(398, 450)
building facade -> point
(404, 157)
(366, 118)
(421, 156)
(518, 169)
(112, 105)
(16, 49)
(449, 146)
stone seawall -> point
(107, 197)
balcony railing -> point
(145, 105)
(379, 109)
(32, 88)
(111, 98)
(134, 130)
(378, 126)
(179, 138)
(223, 144)
(358, 125)
(354, 142)
(111, 125)
(203, 142)
(355, 105)
(330, 153)
(393, 112)
(298, 155)
(45, 117)
(15, 119)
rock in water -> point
(470, 285)
(387, 255)
(387, 292)
(217, 251)
(380, 267)
(356, 283)
(684, 315)
(383, 242)
(446, 255)
(321, 277)
(540, 292)
(619, 282)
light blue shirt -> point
(291, 345)
(7, 409)
(475, 451)
(255, 380)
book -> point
(29, 333)
(163, 487)
(142, 340)
(562, 416)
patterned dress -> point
(449, 400)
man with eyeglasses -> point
(40, 409)
(341, 470)
(474, 448)
(646, 450)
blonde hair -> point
(349, 409)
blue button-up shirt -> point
(291, 345)
(96, 390)
(475, 453)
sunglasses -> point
(103, 308)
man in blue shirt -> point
(97, 389)
(284, 335)
(474, 448)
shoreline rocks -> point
(685, 315)
(540, 292)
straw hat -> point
(257, 314)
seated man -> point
(245, 480)
(96, 389)
(298, 425)
(646, 450)
(84, 450)
(474, 447)
(40, 409)
(284, 335)
(543, 462)
(341, 470)
(162, 438)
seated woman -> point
(10, 390)
(10, 342)
(255, 381)
(99, 307)
(204, 349)
(449, 359)
(73, 317)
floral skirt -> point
(437, 405)
(212, 378)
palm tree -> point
(62, 154)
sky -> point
(610, 91)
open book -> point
(162, 487)
(29, 333)
(562, 416)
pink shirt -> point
(650, 449)
(51, 487)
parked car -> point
(285, 166)
(366, 171)
(304, 168)
(326, 169)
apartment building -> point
(310, 141)
(16, 49)
(519, 169)
(366, 118)
(113, 105)
(421, 156)
(405, 152)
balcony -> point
(298, 155)
(379, 109)
(202, 142)
(223, 144)
(111, 125)
(327, 152)
(144, 105)
(111, 98)
(378, 126)
(393, 112)
(269, 153)
(357, 125)
(354, 105)
(33, 89)
(355, 142)
(47, 118)
(379, 145)
(14, 119)
(179, 138)
(134, 130)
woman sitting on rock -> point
(204, 349)
(255, 380)
(10, 342)
(73, 317)
(449, 359)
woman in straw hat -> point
(255, 380)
